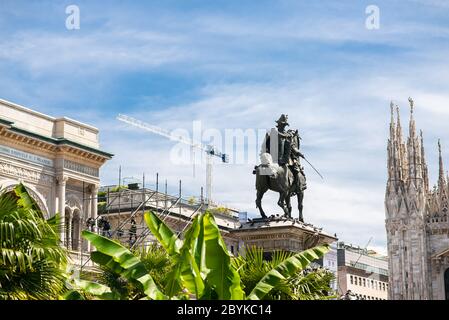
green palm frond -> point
(32, 264)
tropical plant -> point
(305, 284)
(221, 210)
(32, 264)
(312, 284)
(118, 188)
(102, 196)
(192, 200)
(101, 206)
(156, 261)
(202, 266)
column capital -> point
(94, 188)
(62, 180)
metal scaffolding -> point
(125, 204)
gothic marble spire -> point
(442, 192)
(412, 126)
(441, 179)
(425, 172)
(392, 133)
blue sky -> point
(239, 64)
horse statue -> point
(281, 178)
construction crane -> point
(210, 150)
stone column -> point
(93, 211)
(94, 203)
(61, 205)
(87, 215)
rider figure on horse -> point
(288, 151)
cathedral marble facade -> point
(417, 222)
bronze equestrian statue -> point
(285, 175)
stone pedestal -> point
(279, 233)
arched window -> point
(446, 283)
(76, 229)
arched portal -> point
(76, 221)
(446, 283)
(7, 185)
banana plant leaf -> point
(96, 289)
(285, 270)
(133, 268)
(106, 261)
(186, 272)
(221, 277)
(73, 295)
(162, 232)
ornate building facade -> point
(58, 161)
(417, 222)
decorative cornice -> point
(53, 143)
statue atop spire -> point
(412, 104)
(412, 125)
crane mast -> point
(208, 149)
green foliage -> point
(199, 266)
(312, 284)
(32, 264)
(221, 277)
(156, 261)
(101, 206)
(123, 262)
(220, 210)
(252, 267)
(191, 200)
(203, 262)
(167, 238)
(101, 195)
(285, 270)
(118, 188)
(300, 285)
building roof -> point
(56, 131)
(57, 141)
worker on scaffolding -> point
(132, 232)
(90, 224)
(105, 226)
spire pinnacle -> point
(398, 126)
(392, 111)
(412, 126)
(412, 104)
(441, 173)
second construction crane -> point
(208, 149)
